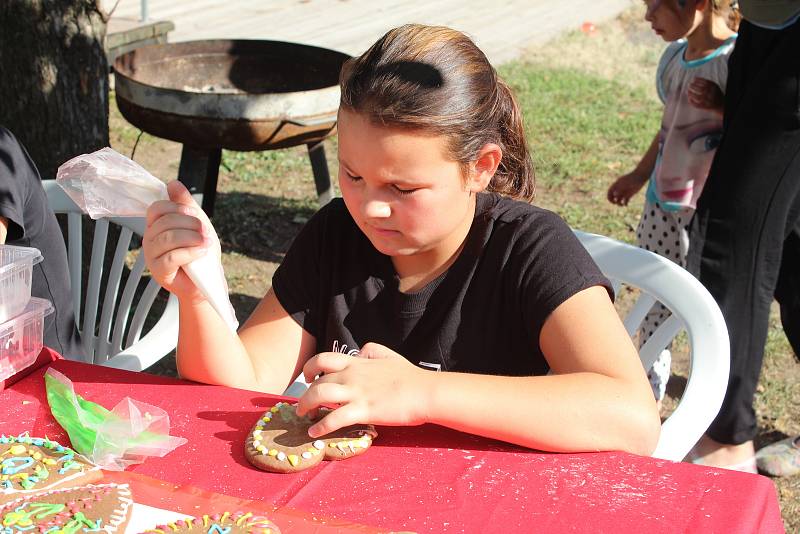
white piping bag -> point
(107, 184)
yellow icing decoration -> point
(262, 449)
(293, 459)
(273, 452)
(243, 519)
(274, 409)
(224, 517)
(205, 520)
(49, 461)
(18, 449)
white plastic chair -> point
(111, 330)
(694, 310)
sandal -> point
(781, 459)
(745, 466)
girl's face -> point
(686, 156)
(410, 201)
(672, 19)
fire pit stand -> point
(232, 94)
(199, 172)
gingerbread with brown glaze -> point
(279, 441)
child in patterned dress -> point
(690, 80)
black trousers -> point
(745, 236)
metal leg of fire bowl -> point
(319, 166)
(199, 170)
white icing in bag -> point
(107, 184)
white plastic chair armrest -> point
(296, 388)
(149, 349)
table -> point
(424, 479)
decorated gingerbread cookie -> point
(101, 508)
(225, 523)
(30, 465)
(279, 441)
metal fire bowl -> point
(234, 94)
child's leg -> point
(663, 232)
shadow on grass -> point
(259, 226)
(676, 386)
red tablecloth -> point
(425, 479)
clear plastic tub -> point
(16, 269)
(21, 337)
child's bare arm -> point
(627, 185)
(597, 398)
(266, 355)
(705, 94)
(270, 348)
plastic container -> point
(16, 269)
(21, 337)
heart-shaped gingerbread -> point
(91, 508)
(279, 441)
(32, 465)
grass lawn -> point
(591, 111)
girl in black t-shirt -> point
(420, 268)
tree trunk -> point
(54, 90)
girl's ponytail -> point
(515, 177)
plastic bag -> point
(107, 184)
(126, 435)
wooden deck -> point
(503, 29)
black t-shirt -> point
(31, 223)
(483, 315)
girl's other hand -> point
(378, 386)
(623, 189)
(705, 94)
(177, 233)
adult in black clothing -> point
(745, 236)
(26, 220)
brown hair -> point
(728, 9)
(437, 80)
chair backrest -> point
(111, 328)
(693, 310)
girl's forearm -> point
(208, 351)
(563, 413)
